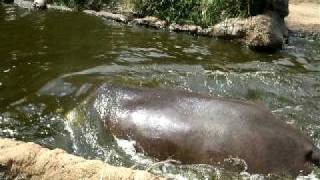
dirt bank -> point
(304, 16)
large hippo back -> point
(195, 128)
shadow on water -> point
(50, 62)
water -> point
(51, 61)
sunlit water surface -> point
(51, 61)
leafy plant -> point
(201, 12)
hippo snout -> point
(313, 156)
(311, 159)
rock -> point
(36, 4)
(114, 17)
(24, 4)
(230, 29)
(150, 21)
(90, 12)
(265, 32)
(59, 8)
(21, 160)
(184, 28)
(205, 31)
(108, 15)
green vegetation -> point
(88, 4)
(199, 12)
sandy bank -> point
(304, 16)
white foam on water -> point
(129, 149)
(311, 176)
(71, 116)
(9, 132)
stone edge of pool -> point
(29, 160)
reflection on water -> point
(51, 61)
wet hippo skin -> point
(199, 129)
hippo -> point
(200, 129)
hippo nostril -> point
(313, 156)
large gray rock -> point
(112, 16)
(24, 4)
(150, 21)
(267, 31)
(184, 28)
(36, 4)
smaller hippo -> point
(199, 129)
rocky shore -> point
(265, 31)
(19, 160)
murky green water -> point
(50, 61)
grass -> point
(199, 12)
(87, 4)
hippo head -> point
(278, 149)
(304, 158)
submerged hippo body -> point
(196, 129)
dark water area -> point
(50, 61)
